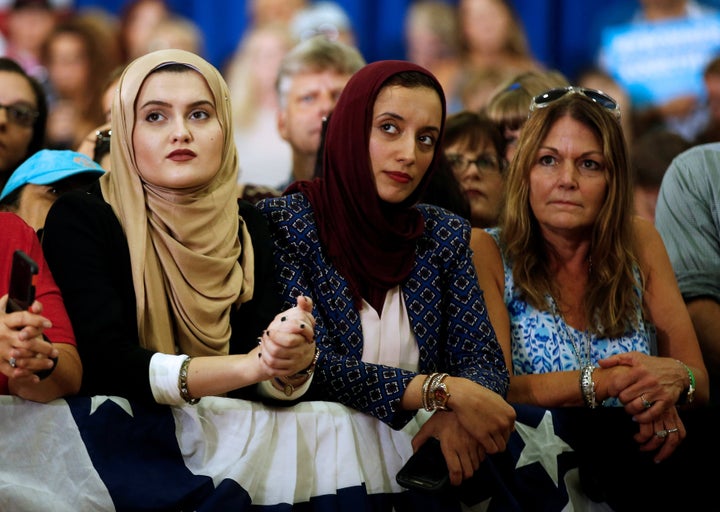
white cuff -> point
(164, 373)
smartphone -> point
(21, 293)
(426, 470)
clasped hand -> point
(23, 351)
(287, 346)
(648, 388)
(479, 423)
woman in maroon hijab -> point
(401, 321)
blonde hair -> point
(510, 104)
(242, 74)
(610, 300)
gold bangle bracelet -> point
(183, 385)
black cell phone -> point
(21, 293)
(426, 470)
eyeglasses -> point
(22, 115)
(599, 97)
(486, 164)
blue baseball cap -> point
(50, 166)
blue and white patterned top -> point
(542, 343)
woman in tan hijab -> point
(167, 280)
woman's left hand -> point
(463, 453)
(664, 434)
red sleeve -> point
(16, 234)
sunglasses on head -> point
(599, 97)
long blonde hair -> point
(610, 300)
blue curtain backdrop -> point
(561, 32)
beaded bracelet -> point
(688, 397)
(183, 385)
(587, 386)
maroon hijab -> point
(371, 242)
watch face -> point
(440, 396)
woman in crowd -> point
(79, 55)
(475, 148)
(24, 116)
(401, 322)
(38, 358)
(168, 284)
(494, 37)
(585, 282)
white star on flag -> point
(97, 400)
(541, 445)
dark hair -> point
(11, 202)
(651, 155)
(101, 54)
(712, 67)
(472, 129)
(444, 190)
(410, 79)
(37, 142)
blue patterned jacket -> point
(444, 302)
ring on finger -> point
(12, 361)
(646, 403)
(662, 434)
(672, 430)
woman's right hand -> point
(287, 346)
(664, 434)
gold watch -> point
(441, 395)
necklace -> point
(582, 344)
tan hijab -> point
(184, 244)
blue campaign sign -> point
(658, 61)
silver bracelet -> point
(183, 385)
(587, 386)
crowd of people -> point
(304, 225)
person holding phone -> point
(38, 357)
(167, 278)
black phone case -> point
(21, 292)
(426, 469)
